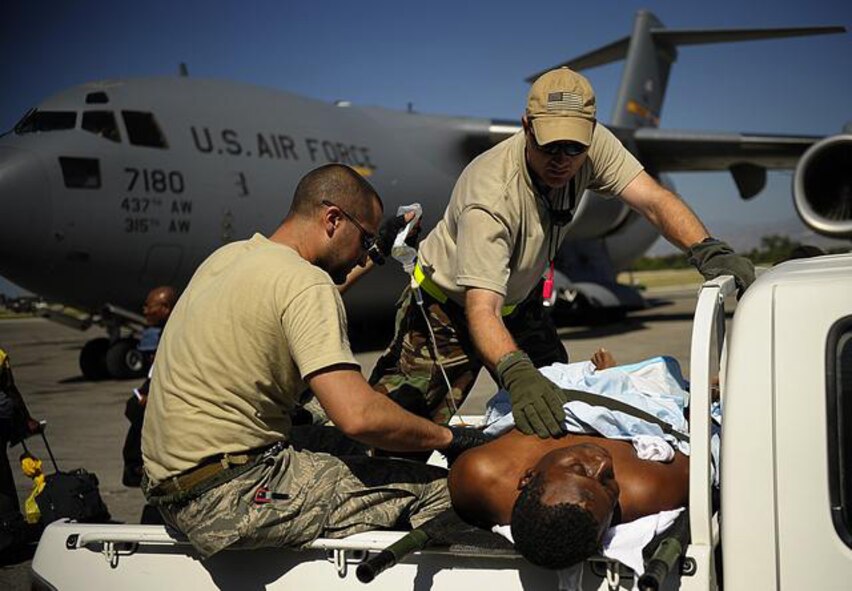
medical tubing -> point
(418, 297)
(406, 256)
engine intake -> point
(822, 187)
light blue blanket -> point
(655, 386)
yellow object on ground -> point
(31, 466)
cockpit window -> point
(101, 123)
(46, 121)
(142, 129)
(97, 98)
(80, 173)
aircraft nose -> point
(25, 213)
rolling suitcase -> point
(73, 495)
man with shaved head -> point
(259, 323)
(158, 305)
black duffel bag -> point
(73, 495)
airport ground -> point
(86, 424)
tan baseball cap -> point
(561, 107)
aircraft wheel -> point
(124, 361)
(93, 359)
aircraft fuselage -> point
(130, 184)
(108, 214)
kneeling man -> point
(260, 321)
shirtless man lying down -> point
(560, 495)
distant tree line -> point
(773, 249)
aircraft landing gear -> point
(120, 360)
(93, 359)
(123, 360)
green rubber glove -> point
(536, 401)
(713, 258)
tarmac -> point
(86, 424)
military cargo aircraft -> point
(110, 188)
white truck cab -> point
(786, 517)
(785, 521)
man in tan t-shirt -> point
(261, 321)
(479, 267)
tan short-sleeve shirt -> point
(495, 233)
(255, 319)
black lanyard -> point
(558, 218)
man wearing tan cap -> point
(479, 267)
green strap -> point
(185, 496)
(618, 405)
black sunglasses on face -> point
(555, 148)
(369, 242)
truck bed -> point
(83, 556)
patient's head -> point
(566, 504)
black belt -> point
(211, 473)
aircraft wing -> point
(746, 155)
(677, 151)
(666, 150)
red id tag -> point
(548, 294)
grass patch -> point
(8, 314)
(667, 278)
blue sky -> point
(458, 58)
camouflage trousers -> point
(310, 495)
(408, 372)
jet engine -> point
(822, 187)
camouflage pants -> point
(313, 495)
(407, 370)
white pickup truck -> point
(785, 373)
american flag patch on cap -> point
(564, 101)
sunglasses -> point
(556, 148)
(369, 242)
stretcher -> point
(93, 556)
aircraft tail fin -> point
(649, 53)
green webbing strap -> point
(184, 496)
(618, 405)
